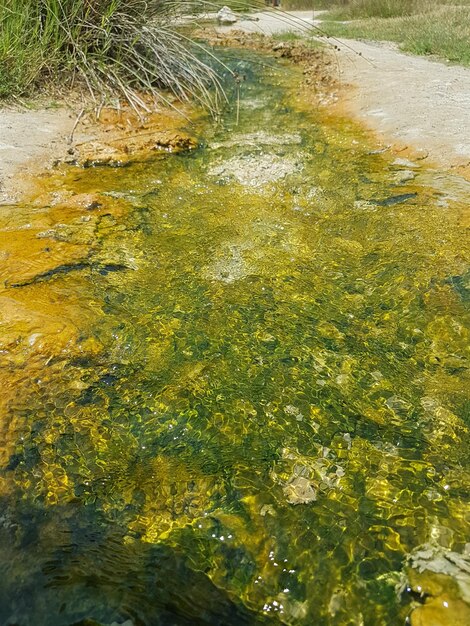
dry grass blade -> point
(119, 47)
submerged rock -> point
(405, 163)
(461, 284)
(230, 266)
(403, 176)
(255, 170)
(442, 578)
(299, 490)
(398, 199)
(117, 153)
(432, 558)
(441, 611)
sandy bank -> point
(418, 103)
(31, 140)
(36, 140)
(412, 102)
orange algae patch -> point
(123, 138)
(50, 243)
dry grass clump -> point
(114, 47)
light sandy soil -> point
(420, 104)
(412, 102)
(276, 21)
(31, 140)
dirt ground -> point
(417, 103)
(411, 102)
(28, 139)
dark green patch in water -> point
(279, 416)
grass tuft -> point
(114, 47)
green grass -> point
(302, 5)
(357, 9)
(443, 32)
(110, 47)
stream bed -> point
(264, 417)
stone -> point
(299, 490)
(442, 577)
(226, 16)
(433, 559)
(404, 163)
(230, 266)
(404, 176)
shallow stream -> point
(267, 408)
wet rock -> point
(98, 153)
(398, 405)
(448, 338)
(337, 602)
(433, 559)
(441, 578)
(302, 477)
(365, 205)
(133, 146)
(294, 412)
(348, 246)
(405, 163)
(176, 499)
(461, 285)
(398, 199)
(404, 176)
(329, 331)
(230, 267)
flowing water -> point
(266, 407)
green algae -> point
(278, 415)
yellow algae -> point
(269, 379)
(441, 611)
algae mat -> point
(240, 392)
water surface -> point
(276, 412)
